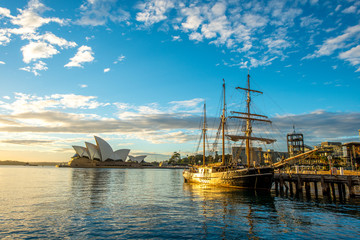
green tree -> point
(175, 158)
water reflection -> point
(89, 186)
(235, 209)
(64, 203)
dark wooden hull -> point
(248, 178)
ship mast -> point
(248, 122)
(249, 117)
(204, 134)
(223, 127)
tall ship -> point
(229, 173)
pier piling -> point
(316, 190)
(332, 186)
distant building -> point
(137, 159)
(335, 149)
(352, 154)
(295, 143)
(258, 156)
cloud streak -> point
(178, 122)
(321, 125)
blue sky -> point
(136, 73)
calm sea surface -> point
(66, 203)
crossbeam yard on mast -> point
(251, 114)
(236, 138)
(250, 90)
(252, 119)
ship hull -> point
(248, 178)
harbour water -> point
(67, 203)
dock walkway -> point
(331, 185)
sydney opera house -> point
(101, 154)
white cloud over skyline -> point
(24, 103)
(44, 115)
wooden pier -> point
(341, 186)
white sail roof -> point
(102, 151)
(120, 154)
(81, 151)
(137, 158)
(106, 151)
(93, 151)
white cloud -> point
(219, 8)
(106, 70)
(310, 21)
(83, 85)
(41, 116)
(276, 43)
(153, 11)
(320, 126)
(50, 38)
(89, 38)
(282, 15)
(2, 62)
(5, 12)
(194, 17)
(98, 13)
(192, 104)
(196, 36)
(218, 27)
(332, 44)
(6, 97)
(192, 22)
(265, 61)
(39, 66)
(29, 19)
(76, 101)
(31, 103)
(226, 23)
(121, 58)
(37, 50)
(4, 36)
(26, 24)
(352, 55)
(176, 38)
(83, 55)
(182, 108)
(254, 20)
(351, 9)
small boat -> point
(228, 173)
